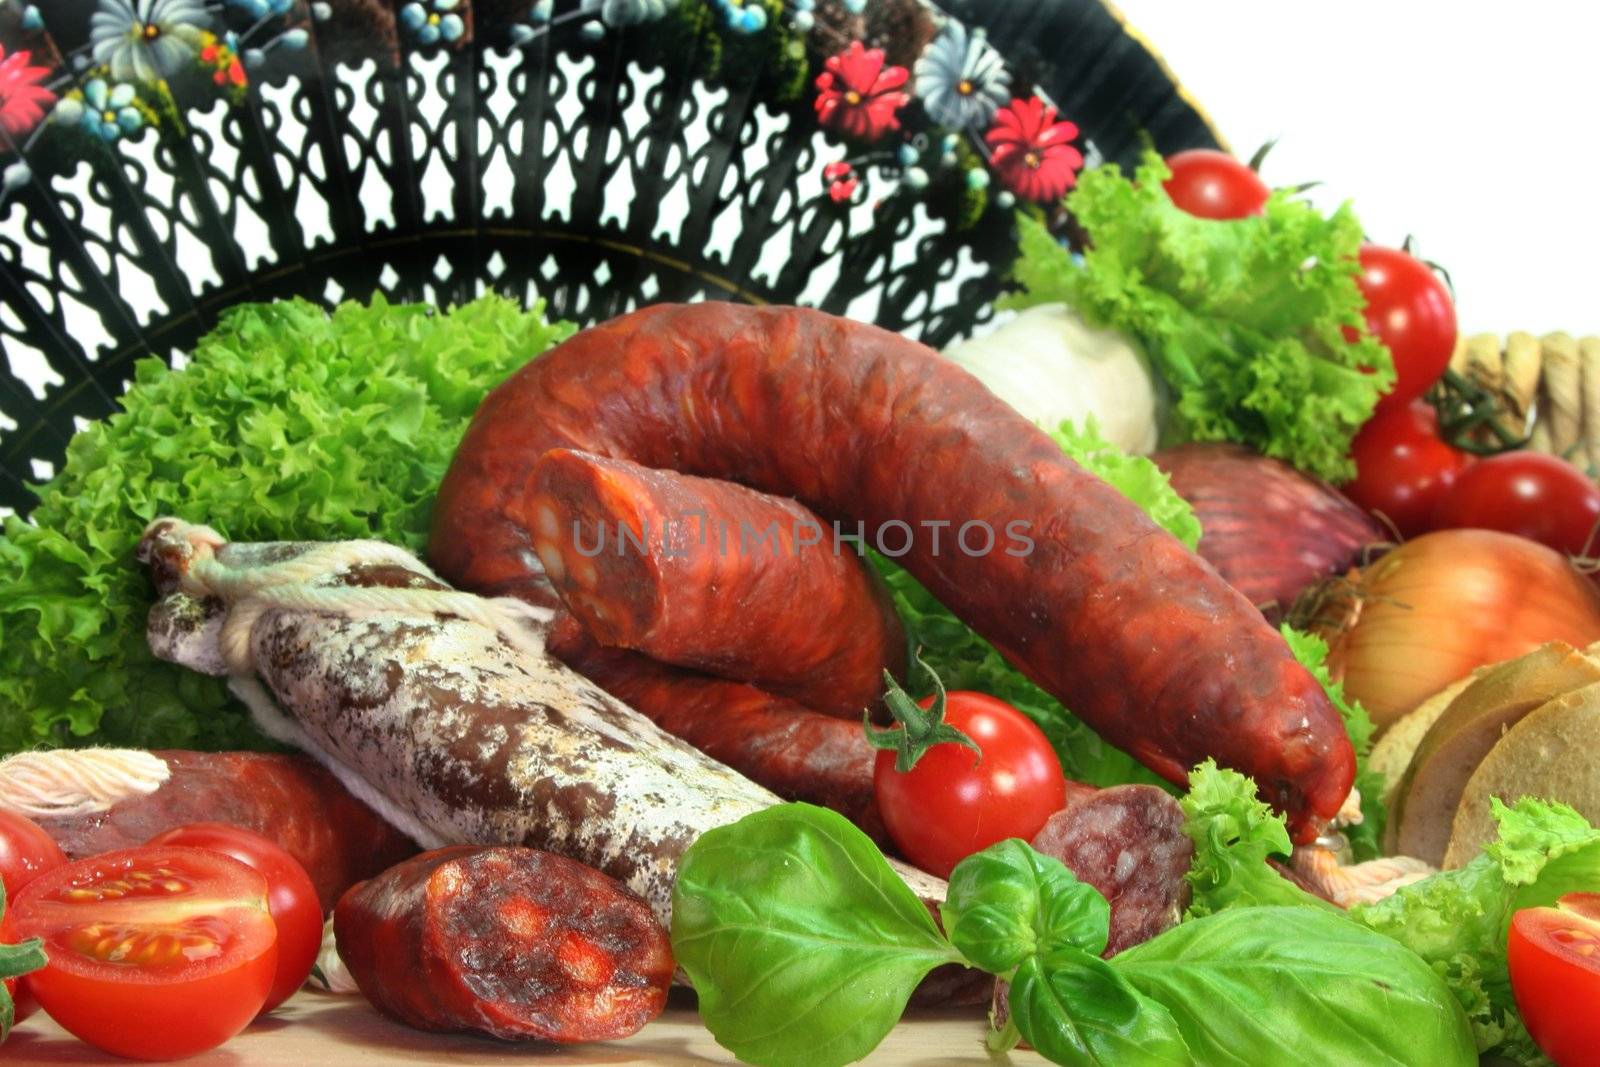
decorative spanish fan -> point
(161, 160)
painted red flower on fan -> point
(1033, 153)
(841, 179)
(859, 95)
(23, 101)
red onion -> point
(1271, 531)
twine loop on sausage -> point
(66, 783)
(1359, 883)
(295, 585)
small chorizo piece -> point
(511, 942)
(710, 575)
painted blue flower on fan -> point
(629, 12)
(260, 9)
(961, 80)
(433, 21)
(744, 16)
(146, 40)
(104, 112)
(16, 176)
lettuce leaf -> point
(287, 423)
(1365, 838)
(1135, 477)
(1234, 833)
(1245, 320)
(1455, 920)
(964, 660)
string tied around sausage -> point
(1359, 883)
(69, 783)
(295, 585)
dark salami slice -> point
(510, 942)
(710, 575)
(1128, 842)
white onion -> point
(1052, 366)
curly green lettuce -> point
(1455, 920)
(1255, 324)
(964, 660)
(287, 423)
(1234, 834)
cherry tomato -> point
(26, 852)
(1554, 957)
(1532, 495)
(952, 804)
(1214, 185)
(155, 953)
(1403, 469)
(291, 897)
(1410, 311)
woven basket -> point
(165, 159)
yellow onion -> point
(1438, 607)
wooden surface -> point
(317, 1030)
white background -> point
(1472, 126)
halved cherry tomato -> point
(1403, 468)
(155, 953)
(26, 852)
(1554, 956)
(1214, 185)
(1530, 494)
(291, 897)
(952, 804)
(1410, 311)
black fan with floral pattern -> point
(161, 160)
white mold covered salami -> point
(438, 708)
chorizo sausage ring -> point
(1106, 611)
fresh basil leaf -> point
(802, 943)
(1010, 902)
(1077, 1010)
(1302, 986)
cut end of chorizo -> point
(713, 576)
(510, 942)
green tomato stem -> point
(917, 730)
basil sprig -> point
(802, 942)
(1024, 917)
(805, 947)
(15, 961)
